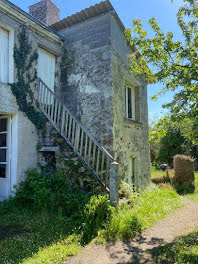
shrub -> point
(50, 193)
(127, 191)
(124, 224)
(97, 213)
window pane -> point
(3, 125)
(2, 155)
(129, 104)
(3, 140)
(2, 171)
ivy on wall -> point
(67, 62)
(25, 59)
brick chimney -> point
(45, 11)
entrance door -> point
(4, 156)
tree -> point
(170, 145)
(174, 63)
(168, 138)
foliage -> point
(36, 237)
(25, 59)
(170, 145)
(51, 193)
(168, 138)
(150, 205)
(98, 213)
(182, 250)
(171, 62)
(47, 220)
(127, 190)
(66, 64)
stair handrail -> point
(77, 121)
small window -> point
(130, 102)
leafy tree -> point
(170, 145)
(168, 138)
(174, 63)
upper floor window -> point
(132, 102)
(46, 67)
(4, 56)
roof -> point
(30, 17)
(92, 11)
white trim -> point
(14, 153)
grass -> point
(36, 238)
(30, 237)
(158, 173)
(194, 196)
(142, 211)
(183, 250)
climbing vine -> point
(67, 61)
(26, 75)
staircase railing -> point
(91, 153)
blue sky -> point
(163, 10)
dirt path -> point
(178, 223)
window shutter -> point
(46, 67)
(4, 55)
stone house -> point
(101, 111)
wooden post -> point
(113, 183)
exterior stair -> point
(89, 151)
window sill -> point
(131, 121)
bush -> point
(127, 191)
(97, 213)
(50, 193)
(124, 224)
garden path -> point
(180, 222)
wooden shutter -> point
(4, 55)
(46, 67)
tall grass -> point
(46, 223)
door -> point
(5, 129)
(46, 67)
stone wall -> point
(130, 139)
(95, 93)
(89, 91)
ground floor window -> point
(3, 146)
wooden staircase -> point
(90, 152)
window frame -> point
(132, 102)
(5, 147)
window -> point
(130, 102)
(46, 67)
(3, 147)
(4, 55)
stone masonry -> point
(45, 11)
(96, 94)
